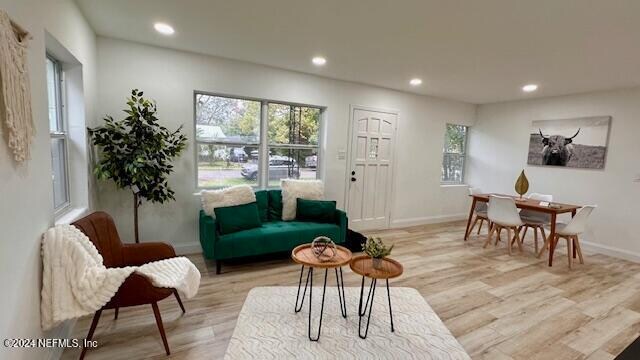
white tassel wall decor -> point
(15, 92)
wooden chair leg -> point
(480, 227)
(569, 251)
(475, 221)
(509, 240)
(545, 246)
(525, 233)
(115, 316)
(156, 312)
(535, 239)
(175, 292)
(576, 243)
(492, 229)
(518, 240)
(92, 329)
(544, 233)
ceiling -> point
(469, 50)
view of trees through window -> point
(229, 141)
(455, 143)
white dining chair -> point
(503, 214)
(535, 220)
(571, 231)
(479, 211)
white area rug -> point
(268, 327)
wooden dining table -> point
(533, 205)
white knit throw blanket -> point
(15, 94)
(75, 281)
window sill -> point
(444, 185)
(70, 216)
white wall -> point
(170, 77)
(498, 152)
(26, 208)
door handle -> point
(353, 179)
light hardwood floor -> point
(498, 306)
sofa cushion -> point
(231, 196)
(316, 210)
(293, 189)
(275, 236)
(236, 218)
(262, 198)
(275, 205)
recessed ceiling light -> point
(530, 88)
(415, 82)
(164, 29)
(319, 61)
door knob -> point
(353, 179)
(353, 173)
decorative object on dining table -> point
(578, 143)
(522, 184)
(377, 250)
(324, 249)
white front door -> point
(370, 168)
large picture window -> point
(230, 143)
(58, 134)
(454, 151)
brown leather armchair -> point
(136, 289)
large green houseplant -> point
(136, 152)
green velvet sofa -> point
(273, 236)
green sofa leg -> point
(218, 266)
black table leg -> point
(324, 290)
(363, 310)
(390, 311)
(298, 308)
(341, 297)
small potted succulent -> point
(377, 250)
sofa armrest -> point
(343, 221)
(140, 254)
(208, 234)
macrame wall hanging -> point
(15, 94)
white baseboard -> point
(398, 223)
(610, 251)
(188, 248)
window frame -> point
(462, 154)
(263, 144)
(61, 132)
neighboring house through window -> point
(454, 152)
(234, 135)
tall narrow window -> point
(229, 138)
(58, 133)
(453, 159)
(293, 142)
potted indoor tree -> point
(136, 152)
(377, 250)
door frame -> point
(391, 194)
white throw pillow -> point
(231, 196)
(294, 189)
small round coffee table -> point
(363, 265)
(304, 256)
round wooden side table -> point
(304, 256)
(363, 265)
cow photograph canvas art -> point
(575, 143)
